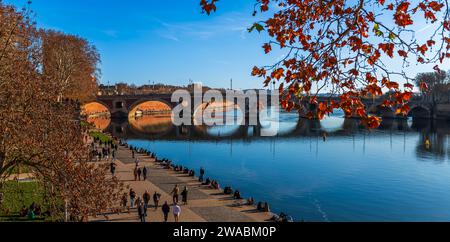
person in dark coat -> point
(146, 198)
(142, 212)
(144, 173)
(184, 196)
(156, 198)
(139, 173)
(166, 211)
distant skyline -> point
(171, 42)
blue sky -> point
(162, 41)
(171, 41)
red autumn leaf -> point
(388, 48)
(403, 53)
(323, 107)
(422, 49)
(392, 85)
(435, 6)
(403, 7)
(403, 110)
(208, 7)
(373, 122)
(373, 58)
(430, 15)
(402, 17)
(361, 112)
(278, 73)
(255, 71)
(267, 48)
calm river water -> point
(389, 174)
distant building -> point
(126, 89)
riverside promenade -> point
(205, 205)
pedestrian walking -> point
(175, 192)
(144, 173)
(166, 211)
(113, 168)
(176, 212)
(139, 173)
(184, 196)
(132, 197)
(202, 171)
(156, 198)
(146, 198)
(142, 212)
(135, 172)
(125, 203)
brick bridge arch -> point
(97, 102)
(145, 100)
(121, 106)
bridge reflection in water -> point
(400, 169)
(159, 127)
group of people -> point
(237, 196)
(142, 204)
(176, 195)
(135, 150)
(212, 184)
(263, 207)
(140, 173)
(104, 150)
(31, 212)
(167, 164)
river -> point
(354, 174)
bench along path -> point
(205, 205)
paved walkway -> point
(205, 205)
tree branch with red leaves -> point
(346, 47)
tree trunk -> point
(2, 160)
(66, 212)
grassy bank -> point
(17, 195)
(101, 136)
(85, 124)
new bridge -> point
(122, 106)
